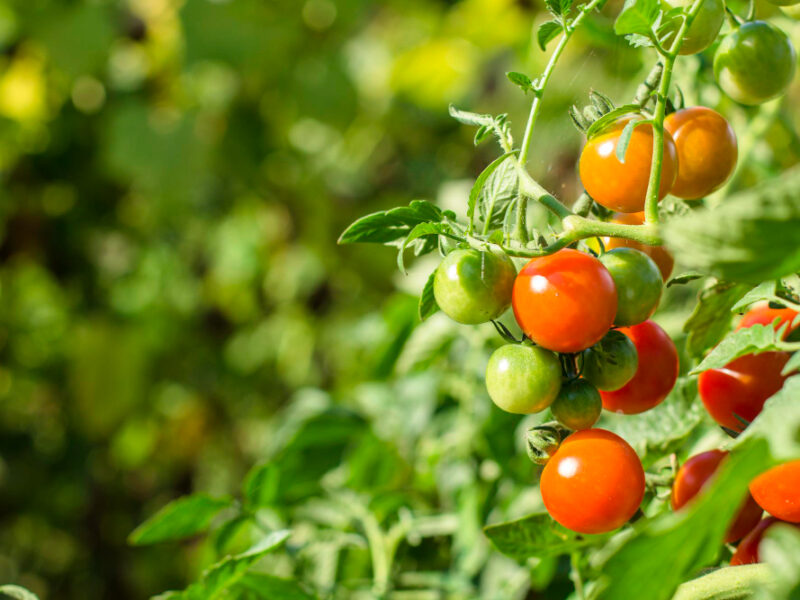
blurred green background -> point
(174, 309)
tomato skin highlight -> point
(693, 477)
(741, 387)
(764, 315)
(707, 151)
(638, 282)
(564, 302)
(474, 287)
(659, 254)
(623, 186)
(578, 405)
(655, 376)
(611, 362)
(594, 483)
(755, 63)
(523, 379)
(777, 491)
(747, 551)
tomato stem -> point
(729, 582)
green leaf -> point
(497, 193)
(480, 182)
(763, 291)
(537, 535)
(712, 317)
(663, 429)
(260, 486)
(610, 117)
(420, 231)
(470, 118)
(179, 519)
(387, 227)
(637, 16)
(547, 32)
(260, 586)
(780, 549)
(751, 237)
(793, 364)
(685, 278)
(15, 592)
(427, 301)
(751, 340)
(520, 79)
(220, 577)
(625, 139)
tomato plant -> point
(638, 282)
(611, 362)
(660, 255)
(551, 300)
(578, 405)
(778, 491)
(765, 315)
(747, 552)
(594, 483)
(523, 379)
(704, 29)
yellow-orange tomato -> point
(778, 491)
(659, 254)
(707, 151)
(622, 186)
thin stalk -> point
(575, 575)
(654, 186)
(728, 583)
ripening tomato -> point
(638, 282)
(707, 151)
(566, 301)
(523, 379)
(747, 551)
(693, 477)
(764, 315)
(611, 362)
(704, 28)
(578, 405)
(472, 286)
(622, 186)
(755, 63)
(735, 394)
(659, 254)
(656, 373)
(778, 491)
(594, 483)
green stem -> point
(654, 186)
(575, 575)
(521, 228)
(529, 187)
(548, 71)
(728, 583)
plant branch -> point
(731, 583)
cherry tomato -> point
(655, 376)
(594, 483)
(778, 491)
(707, 151)
(623, 186)
(565, 301)
(473, 287)
(764, 315)
(703, 30)
(659, 254)
(523, 379)
(747, 551)
(693, 477)
(755, 63)
(578, 405)
(742, 387)
(638, 282)
(611, 362)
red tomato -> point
(656, 372)
(565, 302)
(778, 491)
(741, 387)
(659, 254)
(593, 483)
(694, 475)
(707, 151)
(623, 186)
(764, 315)
(747, 551)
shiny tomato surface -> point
(778, 491)
(764, 315)
(659, 254)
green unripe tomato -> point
(611, 362)
(755, 63)
(792, 11)
(638, 282)
(523, 379)
(474, 287)
(578, 405)
(704, 28)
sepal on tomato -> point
(543, 441)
